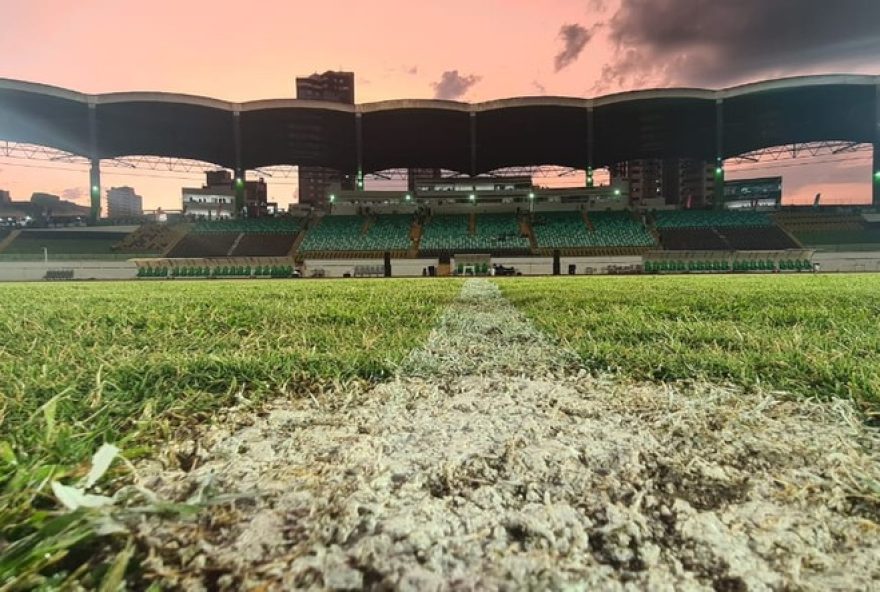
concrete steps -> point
(9, 239)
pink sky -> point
(242, 51)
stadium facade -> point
(584, 133)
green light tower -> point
(718, 194)
(95, 191)
(239, 187)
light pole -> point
(45, 255)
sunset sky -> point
(467, 50)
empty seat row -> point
(264, 225)
(722, 265)
(355, 233)
(682, 266)
(710, 218)
(217, 271)
(610, 230)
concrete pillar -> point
(94, 165)
(875, 169)
(473, 143)
(359, 150)
(718, 193)
(95, 189)
(590, 143)
(238, 182)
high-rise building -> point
(337, 87)
(256, 198)
(123, 202)
(684, 182)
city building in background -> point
(684, 182)
(256, 198)
(43, 209)
(416, 176)
(315, 183)
(753, 193)
(123, 202)
(216, 198)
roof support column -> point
(359, 150)
(94, 165)
(718, 189)
(473, 143)
(238, 183)
(875, 170)
(590, 141)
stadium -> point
(252, 408)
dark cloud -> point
(575, 37)
(452, 85)
(542, 90)
(716, 43)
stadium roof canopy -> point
(470, 138)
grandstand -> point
(830, 228)
(358, 234)
(473, 233)
(67, 244)
(596, 231)
(151, 238)
(257, 237)
(726, 230)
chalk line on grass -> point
(491, 462)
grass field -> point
(815, 335)
(135, 364)
(127, 363)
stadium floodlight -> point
(531, 195)
(473, 197)
(718, 170)
(877, 175)
(332, 198)
(95, 189)
(617, 192)
(408, 197)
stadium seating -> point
(824, 228)
(692, 239)
(58, 274)
(149, 238)
(569, 230)
(560, 229)
(260, 244)
(445, 232)
(67, 243)
(346, 233)
(710, 219)
(766, 238)
(197, 244)
(619, 229)
(222, 271)
(261, 225)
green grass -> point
(130, 363)
(814, 335)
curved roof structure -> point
(467, 137)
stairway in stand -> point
(8, 240)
